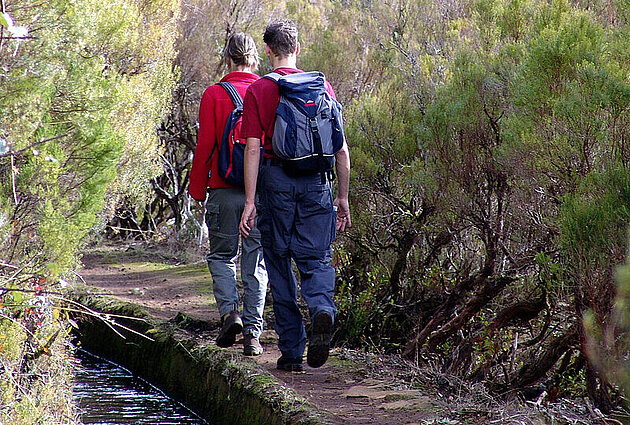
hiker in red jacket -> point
(224, 206)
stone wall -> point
(221, 386)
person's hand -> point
(343, 214)
(247, 219)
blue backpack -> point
(232, 149)
(308, 129)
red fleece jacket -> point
(214, 109)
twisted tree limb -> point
(537, 367)
(491, 288)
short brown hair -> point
(281, 37)
(241, 50)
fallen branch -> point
(106, 318)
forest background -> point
(490, 189)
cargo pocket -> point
(212, 217)
(319, 199)
(315, 224)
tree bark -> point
(446, 311)
(491, 288)
(537, 368)
(521, 312)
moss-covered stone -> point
(221, 386)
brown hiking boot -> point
(232, 326)
(251, 346)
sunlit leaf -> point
(17, 297)
(6, 20)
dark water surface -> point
(107, 394)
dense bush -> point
(486, 222)
(83, 88)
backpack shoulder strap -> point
(273, 76)
(237, 100)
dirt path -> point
(356, 388)
(353, 392)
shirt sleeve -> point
(251, 125)
(199, 173)
(330, 90)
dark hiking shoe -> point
(232, 326)
(290, 364)
(251, 346)
(319, 344)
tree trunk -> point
(446, 311)
(537, 368)
(491, 288)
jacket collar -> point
(240, 77)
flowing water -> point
(107, 394)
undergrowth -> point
(35, 356)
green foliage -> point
(496, 142)
(99, 80)
(618, 365)
(35, 358)
(607, 341)
(341, 39)
(594, 222)
(549, 272)
(80, 100)
(384, 133)
(594, 218)
(358, 301)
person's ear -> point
(268, 51)
(297, 49)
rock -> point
(417, 403)
(374, 393)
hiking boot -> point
(251, 346)
(290, 364)
(319, 344)
(232, 326)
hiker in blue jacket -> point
(298, 217)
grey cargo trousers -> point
(223, 213)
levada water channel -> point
(107, 394)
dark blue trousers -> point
(296, 219)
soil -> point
(357, 388)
